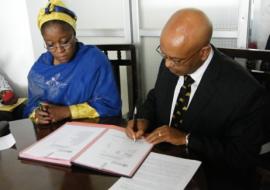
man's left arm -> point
(239, 144)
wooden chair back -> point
(125, 57)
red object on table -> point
(7, 96)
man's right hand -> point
(135, 130)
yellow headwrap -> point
(56, 10)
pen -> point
(134, 122)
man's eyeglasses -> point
(175, 60)
(66, 45)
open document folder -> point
(102, 147)
(159, 172)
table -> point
(18, 174)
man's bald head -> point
(187, 28)
(184, 41)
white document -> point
(159, 172)
(7, 141)
(115, 152)
(65, 143)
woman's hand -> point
(42, 116)
(49, 113)
(58, 113)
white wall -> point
(16, 54)
(23, 33)
(104, 21)
(33, 7)
(260, 26)
(229, 18)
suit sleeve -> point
(148, 109)
(240, 144)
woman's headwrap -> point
(56, 10)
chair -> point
(125, 57)
(265, 65)
(251, 57)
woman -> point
(71, 79)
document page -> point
(64, 143)
(115, 152)
(7, 141)
(159, 172)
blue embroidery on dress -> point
(55, 86)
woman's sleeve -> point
(106, 99)
(83, 110)
(32, 99)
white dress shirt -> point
(196, 76)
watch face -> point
(187, 138)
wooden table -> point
(18, 174)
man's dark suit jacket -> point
(223, 119)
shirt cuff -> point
(80, 111)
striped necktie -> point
(181, 105)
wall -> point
(16, 54)
(106, 21)
(260, 23)
(229, 18)
(33, 7)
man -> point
(218, 111)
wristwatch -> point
(187, 138)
